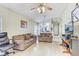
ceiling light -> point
(38, 9)
(41, 9)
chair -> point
(5, 45)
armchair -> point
(5, 44)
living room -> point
(36, 29)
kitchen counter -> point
(75, 45)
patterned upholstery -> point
(23, 41)
(45, 37)
(4, 43)
(3, 38)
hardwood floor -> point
(42, 49)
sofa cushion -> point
(19, 37)
(28, 36)
(45, 34)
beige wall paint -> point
(76, 28)
(11, 22)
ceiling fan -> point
(41, 8)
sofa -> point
(23, 41)
(45, 37)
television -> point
(68, 29)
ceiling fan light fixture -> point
(41, 9)
(38, 9)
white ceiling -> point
(25, 9)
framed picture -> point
(23, 24)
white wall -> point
(1, 27)
(66, 17)
(11, 22)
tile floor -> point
(43, 49)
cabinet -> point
(75, 46)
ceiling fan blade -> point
(32, 8)
(49, 8)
